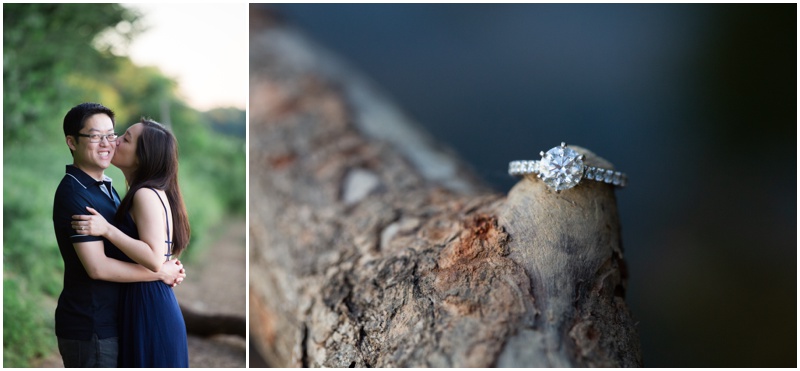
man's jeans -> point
(89, 353)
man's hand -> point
(173, 271)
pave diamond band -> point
(562, 168)
(520, 168)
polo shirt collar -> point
(84, 179)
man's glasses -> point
(97, 138)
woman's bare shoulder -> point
(146, 196)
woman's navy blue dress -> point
(152, 330)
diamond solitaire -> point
(562, 168)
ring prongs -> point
(562, 168)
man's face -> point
(93, 158)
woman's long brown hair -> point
(157, 152)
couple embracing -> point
(117, 307)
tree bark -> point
(371, 246)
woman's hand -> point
(94, 225)
(173, 272)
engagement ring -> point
(562, 168)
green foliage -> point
(43, 43)
(55, 57)
(230, 121)
(29, 247)
(228, 158)
(27, 332)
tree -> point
(43, 44)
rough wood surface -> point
(382, 250)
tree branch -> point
(372, 246)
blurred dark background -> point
(696, 103)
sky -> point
(202, 46)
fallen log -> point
(203, 324)
(372, 246)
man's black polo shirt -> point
(86, 306)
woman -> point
(150, 226)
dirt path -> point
(216, 284)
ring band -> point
(562, 168)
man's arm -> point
(149, 249)
(101, 267)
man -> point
(86, 315)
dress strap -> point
(166, 216)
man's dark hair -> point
(76, 117)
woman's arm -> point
(101, 267)
(147, 212)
